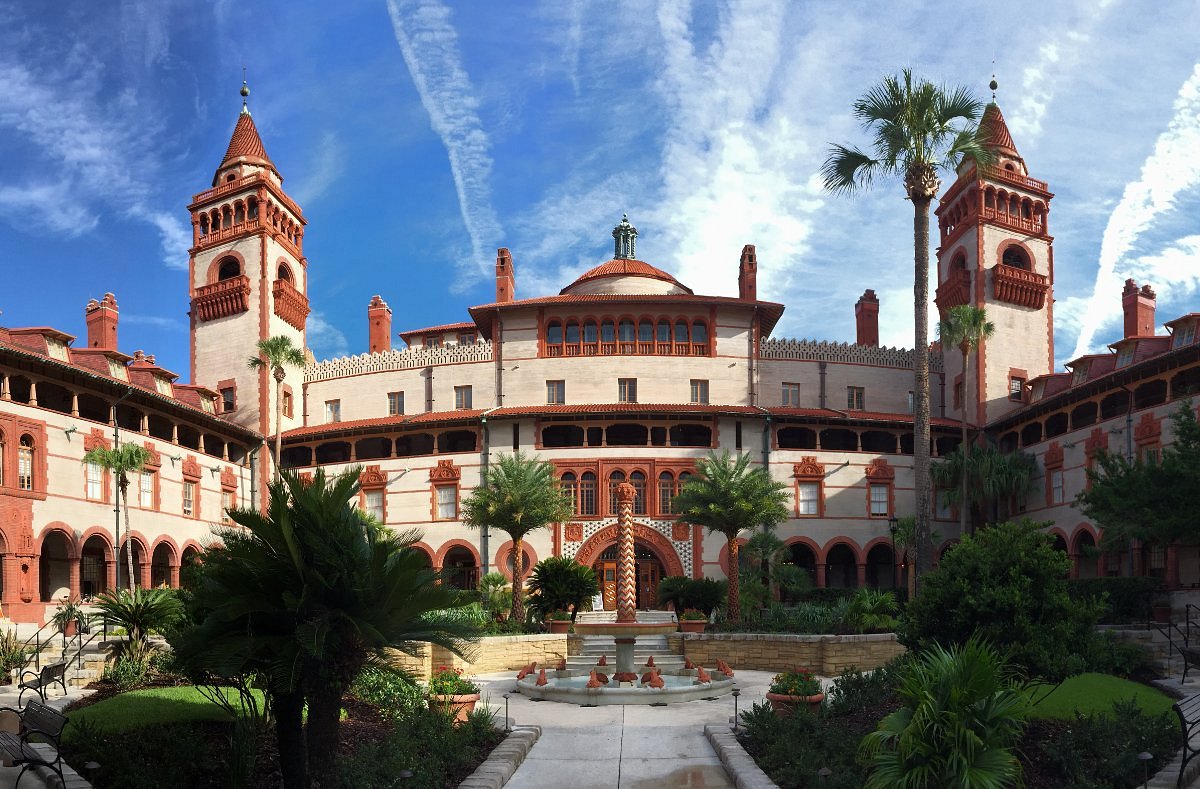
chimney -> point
(866, 318)
(748, 274)
(102, 323)
(506, 283)
(379, 325)
(1139, 310)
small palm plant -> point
(139, 612)
(275, 353)
(560, 583)
(871, 611)
(962, 715)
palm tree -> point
(727, 496)
(518, 495)
(967, 327)
(973, 476)
(904, 541)
(126, 459)
(308, 594)
(918, 130)
(274, 353)
(139, 611)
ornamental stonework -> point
(397, 359)
(880, 469)
(814, 351)
(372, 477)
(445, 471)
(808, 467)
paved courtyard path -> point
(621, 747)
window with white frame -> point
(808, 499)
(447, 502)
(1056, 486)
(373, 504)
(880, 504)
(333, 410)
(228, 502)
(25, 463)
(395, 403)
(856, 398)
(189, 498)
(146, 489)
(462, 397)
(556, 392)
(699, 390)
(791, 395)
(627, 390)
(95, 481)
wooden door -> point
(649, 574)
(607, 573)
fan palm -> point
(519, 495)
(727, 496)
(918, 131)
(965, 326)
(126, 459)
(309, 593)
(275, 353)
(983, 475)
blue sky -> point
(419, 136)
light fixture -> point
(69, 431)
(736, 692)
(214, 469)
(175, 458)
(893, 524)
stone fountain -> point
(626, 686)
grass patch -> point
(150, 707)
(1095, 693)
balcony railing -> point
(290, 304)
(221, 299)
(954, 291)
(1020, 287)
(1013, 177)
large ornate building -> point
(624, 375)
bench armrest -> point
(52, 738)
(35, 674)
(11, 709)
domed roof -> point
(626, 276)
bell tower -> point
(248, 280)
(996, 252)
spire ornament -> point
(624, 240)
(245, 91)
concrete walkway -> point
(38, 779)
(621, 747)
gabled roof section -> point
(446, 328)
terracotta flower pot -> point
(784, 705)
(560, 625)
(69, 629)
(692, 625)
(460, 705)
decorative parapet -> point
(290, 304)
(1020, 287)
(954, 291)
(221, 299)
(813, 351)
(393, 359)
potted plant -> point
(793, 688)
(452, 693)
(692, 621)
(560, 621)
(68, 617)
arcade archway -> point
(650, 570)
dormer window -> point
(206, 403)
(1079, 373)
(57, 349)
(1035, 392)
(117, 370)
(1125, 355)
(1184, 335)
(162, 385)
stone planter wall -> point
(826, 655)
(504, 653)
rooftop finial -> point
(624, 240)
(245, 91)
(993, 84)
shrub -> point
(126, 673)
(495, 595)
(1107, 654)
(396, 695)
(702, 594)
(13, 653)
(1007, 584)
(559, 583)
(793, 750)
(960, 717)
(451, 682)
(854, 691)
(1122, 600)
(871, 610)
(1100, 751)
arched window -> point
(589, 331)
(1016, 257)
(285, 273)
(614, 479)
(699, 332)
(626, 331)
(252, 209)
(681, 331)
(587, 493)
(204, 224)
(608, 331)
(228, 269)
(554, 333)
(570, 488)
(638, 480)
(666, 492)
(572, 335)
(960, 262)
(664, 331)
(25, 463)
(645, 331)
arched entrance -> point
(94, 562)
(55, 567)
(650, 570)
(459, 568)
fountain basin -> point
(574, 690)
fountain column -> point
(626, 582)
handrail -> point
(93, 633)
(1187, 621)
(36, 637)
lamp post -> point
(893, 523)
(736, 692)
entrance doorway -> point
(649, 571)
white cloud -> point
(325, 168)
(155, 321)
(429, 44)
(326, 340)
(50, 206)
(1171, 169)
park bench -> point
(1191, 659)
(1188, 711)
(37, 721)
(51, 674)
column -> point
(110, 573)
(1172, 567)
(173, 576)
(821, 571)
(73, 574)
(74, 404)
(1074, 557)
(143, 572)
(33, 392)
(862, 575)
(626, 556)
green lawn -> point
(153, 706)
(1096, 693)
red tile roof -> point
(245, 145)
(443, 329)
(995, 130)
(858, 416)
(624, 268)
(624, 408)
(357, 425)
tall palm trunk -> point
(735, 596)
(962, 504)
(123, 494)
(921, 196)
(518, 582)
(278, 373)
(289, 735)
